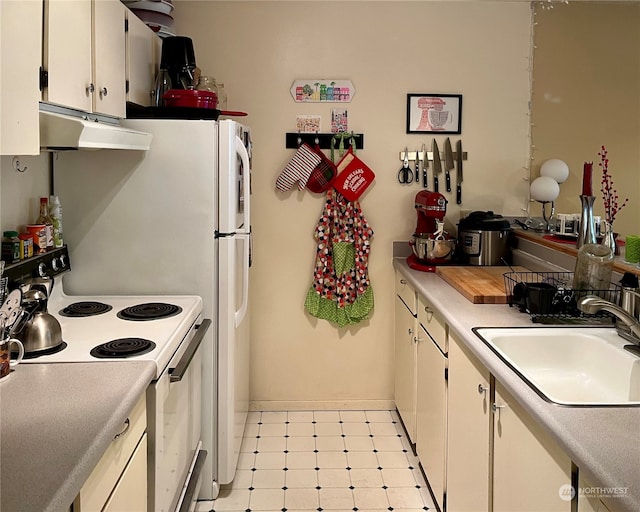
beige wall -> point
(21, 191)
(586, 93)
(388, 49)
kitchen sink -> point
(577, 366)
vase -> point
(587, 233)
(609, 238)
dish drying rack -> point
(564, 306)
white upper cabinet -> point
(84, 55)
(20, 57)
(109, 57)
(142, 60)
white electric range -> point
(166, 330)
(148, 328)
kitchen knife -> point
(425, 183)
(448, 162)
(459, 172)
(417, 167)
(437, 166)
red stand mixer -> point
(431, 245)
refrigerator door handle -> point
(242, 312)
(244, 156)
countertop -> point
(604, 442)
(569, 248)
(56, 421)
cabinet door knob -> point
(482, 389)
(496, 408)
(103, 92)
(403, 281)
(90, 88)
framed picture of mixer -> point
(434, 113)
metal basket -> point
(564, 304)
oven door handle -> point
(181, 368)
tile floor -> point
(325, 460)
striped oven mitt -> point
(298, 169)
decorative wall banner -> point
(322, 91)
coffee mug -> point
(5, 356)
(540, 298)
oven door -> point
(173, 416)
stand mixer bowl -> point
(432, 250)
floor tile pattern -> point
(325, 460)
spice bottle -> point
(10, 247)
(55, 211)
(45, 218)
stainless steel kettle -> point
(41, 330)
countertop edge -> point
(603, 464)
(76, 479)
(59, 420)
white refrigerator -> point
(173, 220)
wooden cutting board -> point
(480, 285)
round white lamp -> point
(545, 189)
(556, 169)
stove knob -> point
(54, 264)
(42, 269)
(63, 261)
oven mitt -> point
(323, 174)
(298, 169)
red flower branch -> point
(609, 194)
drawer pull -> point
(402, 281)
(127, 424)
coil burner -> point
(85, 308)
(122, 348)
(149, 311)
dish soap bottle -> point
(55, 211)
(45, 218)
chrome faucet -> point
(591, 304)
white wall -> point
(388, 49)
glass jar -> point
(207, 83)
(222, 97)
(594, 266)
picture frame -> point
(434, 113)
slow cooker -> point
(484, 238)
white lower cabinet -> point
(588, 500)
(468, 432)
(480, 450)
(131, 490)
(120, 477)
(431, 398)
(530, 471)
(405, 356)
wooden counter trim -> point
(537, 238)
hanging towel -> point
(341, 291)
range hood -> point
(61, 131)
